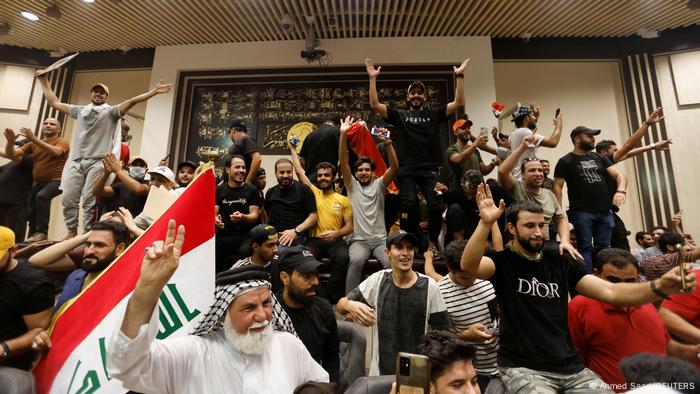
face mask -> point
(137, 172)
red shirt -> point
(686, 306)
(604, 334)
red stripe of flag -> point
(194, 209)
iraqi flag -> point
(81, 329)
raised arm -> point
(301, 174)
(505, 177)
(136, 187)
(50, 96)
(473, 261)
(343, 157)
(55, 257)
(660, 145)
(428, 266)
(553, 140)
(159, 264)
(162, 87)
(101, 189)
(11, 152)
(373, 96)
(458, 102)
(54, 151)
(636, 137)
(393, 169)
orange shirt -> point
(46, 166)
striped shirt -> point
(469, 306)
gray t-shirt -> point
(94, 130)
(367, 209)
(516, 139)
(545, 198)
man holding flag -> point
(243, 354)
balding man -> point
(50, 153)
(234, 349)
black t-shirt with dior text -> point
(533, 297)
(586, 181)
(418, 138)
(230, 200)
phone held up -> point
(412, 374)
(380, 131)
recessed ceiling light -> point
(29, 15)
(89, 1)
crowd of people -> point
(517, 293)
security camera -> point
(286, 23)
(526, 37)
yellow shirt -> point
(331, 209)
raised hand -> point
(371, 71)
(655, 117)
(28, 133)
(162, 87)
(162, 258)
(460, 69)
(670, 283)
(110, 161)
(346, 123)
(10, 136)
(662, 145)
(488, 210)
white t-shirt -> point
(516, 139)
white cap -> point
(164, 171)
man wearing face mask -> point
(50, 153)
(106, 241)
(94, 137)
(131, 191)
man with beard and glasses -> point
(130, 192)
(94, 136)
(420, 150)
(313, 317)
(530, 188)
(585, 175)
(525, 119)
(26, 304)
(106, 241)
(533, 286)
(237, 212)
(233, 350)
(263, 247)
(290, 206)
(50, 153)
(400, 303)
(366, 193)
(334, 223)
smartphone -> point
(380, 131)
(681, 265)
(412, 374)
(556, 113)
(294, 141)
(484, 130)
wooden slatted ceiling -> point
(111, 24)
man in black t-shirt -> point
(16, 185)
(321, 146)
(419, 147)
(533, 286)
(237, 210)
(313, 317)
(245, 145)
(26, 304)
(290, 206)
(589, 207)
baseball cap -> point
(397, 237)
(187, 163)
(520, 111)
(461, 122)
(101, 86)
(416, 85)
(238, 125)
(7, 240)
(165, 172)
(137, 157)
(298, 258)
(261, 233)
(584, 130)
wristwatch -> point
(297, 230)
(5, 350)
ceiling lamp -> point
(29, 15)
(53, 11)
(89, 1)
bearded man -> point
(234, 350)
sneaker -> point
(36, 237)
(436, 252)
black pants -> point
(392, 207)
(229, 249)
(14, 217)
(337, 252)
(409, 182)
(619, 234)
(39, 207)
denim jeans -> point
(590, 227)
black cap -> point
(583, 130)
(397, 237)
(238, 125)
(519, 112)
(187, 163)
(261, 233)
(416, 85)
(298, 258)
